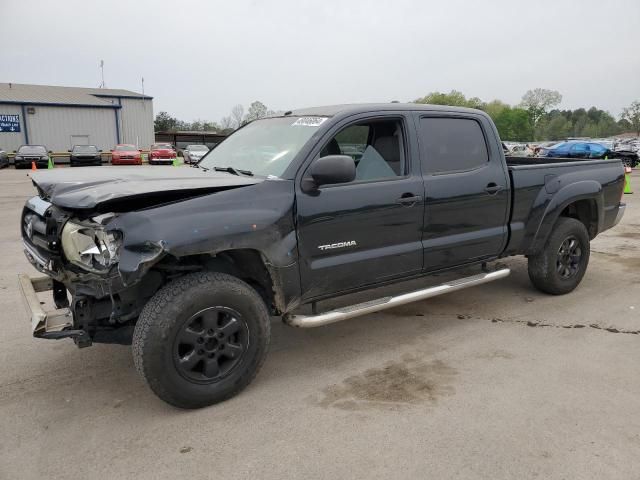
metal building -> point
(183, 138)
(60, 117)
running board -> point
(344, 313)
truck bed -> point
(539, 186)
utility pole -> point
(102, 85)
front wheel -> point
(560, 266)
(201, 339)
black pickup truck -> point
(189, 264)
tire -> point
(188, 327)
(557, 271)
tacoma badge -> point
(350, 243)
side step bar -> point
(307, 321)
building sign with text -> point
(9, 123)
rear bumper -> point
(620, 214)
(57, 323)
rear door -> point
(369, 230)
(466, 188)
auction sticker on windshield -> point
(309, 121)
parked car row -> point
(91, 155)
(573, 149)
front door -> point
(467, 191)
(367, 231)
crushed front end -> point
(79, 255)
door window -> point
(580, 149)
(451, 145)
(377, 148)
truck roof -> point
(333, 110)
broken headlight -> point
(91, 246)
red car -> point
(126, 155)
(161, 154)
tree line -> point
(536, 117)
(236, 118)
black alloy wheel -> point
(569, 257)
(211, 344)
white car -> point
(193, 153)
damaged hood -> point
(90, 187)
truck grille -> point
(40, 232)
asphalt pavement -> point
(497, 382)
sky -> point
(200, 58)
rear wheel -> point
(201, 339)
(560, 266)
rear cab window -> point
(450, 145)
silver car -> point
(193, 153)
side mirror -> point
(50, 151)
(330, 170)
(100, 151)
(67, 151)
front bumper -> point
(85, 161)
(26, 162)
(57, 323)
(126, 161)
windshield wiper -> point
(234, 171)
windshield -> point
(264, 147)
(125, 148)
(85, 149)
(32, 149)
(197, 148)
(161, 146)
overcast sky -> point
(199, 58)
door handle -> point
(493, 188)
(409, 199)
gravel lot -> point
(497, 382)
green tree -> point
(624, 125)
(632, 115)
(557, 128)
(538, 101)
(165, 122)
(256, 111)
(513, 124)
(453, 98)
(495, 108)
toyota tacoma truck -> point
(288, 214)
